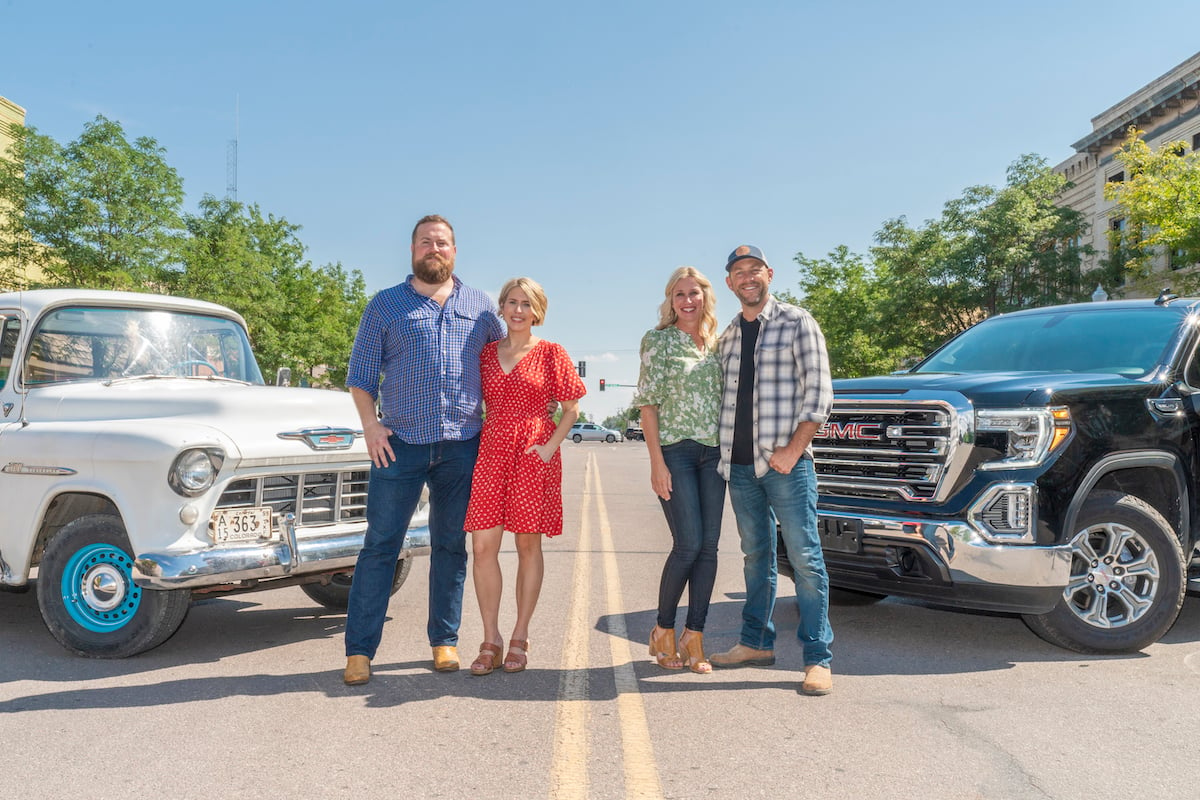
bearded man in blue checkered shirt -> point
(414, 376)
(776, 396)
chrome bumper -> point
(968, 556)
(261, 560)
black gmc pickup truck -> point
(1043, 463)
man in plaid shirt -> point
(777, 394)
(416, 359)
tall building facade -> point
(1167, 109)
(10, 114)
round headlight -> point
(195, 471)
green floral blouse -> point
(684, 382)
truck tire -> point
(335, 595)
(1127, 583)
(88, 599)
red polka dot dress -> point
(510, 487)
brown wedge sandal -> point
(516, 662)
(663, 649)
(487, 660)
(692, 646)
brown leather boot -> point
(818, 680)
(445, 658)
(358, 670)
(741, 656)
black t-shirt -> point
(743, 418)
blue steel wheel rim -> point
(98, 589)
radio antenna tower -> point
(231, 154)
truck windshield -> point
(83, 343)
(1127, 342)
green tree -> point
(854, 308)
(1159, 201)
(300, 317)
(101, 212)
(992, 250)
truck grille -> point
(316, 498)
(877, 449)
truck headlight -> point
(1031, 433)
(194, 471)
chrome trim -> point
(923, 476)
(975, 512)
(260, 560)
(969, 557)
(318, 497)
(18, 468)
(324, 438)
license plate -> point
(840, 535)
(241, 524)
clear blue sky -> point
(593, 147)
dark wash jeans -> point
(392, 496)
(694, 517)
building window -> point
(1117, 177)
(1117, 224)
(1177, 259)
(1196, 141)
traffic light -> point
(602, 384)
(581, 367)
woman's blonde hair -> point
(533, 290)
(708, 319)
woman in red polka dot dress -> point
(517, 484)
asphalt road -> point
(247, 699)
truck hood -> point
(986, 389)
(251, 416)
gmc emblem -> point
(853, 431)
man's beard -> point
(433, 268)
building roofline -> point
(1153, 100)
(4, 101)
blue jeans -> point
(694, 517)
(392, 496)
(792, 499)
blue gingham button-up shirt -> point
(791, 380)
(421, 360)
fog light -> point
(1006, 514)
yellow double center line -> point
(569, 776)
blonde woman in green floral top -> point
(679, 391)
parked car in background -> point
(634, 433)
(591, 432)
(143, 462)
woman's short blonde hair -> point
(533, 290)
(708, 319)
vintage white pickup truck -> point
(143, 462)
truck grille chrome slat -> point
(887, 450)
(316, 498)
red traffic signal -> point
(602, 384)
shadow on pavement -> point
(891, 637)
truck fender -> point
(1134, 459)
